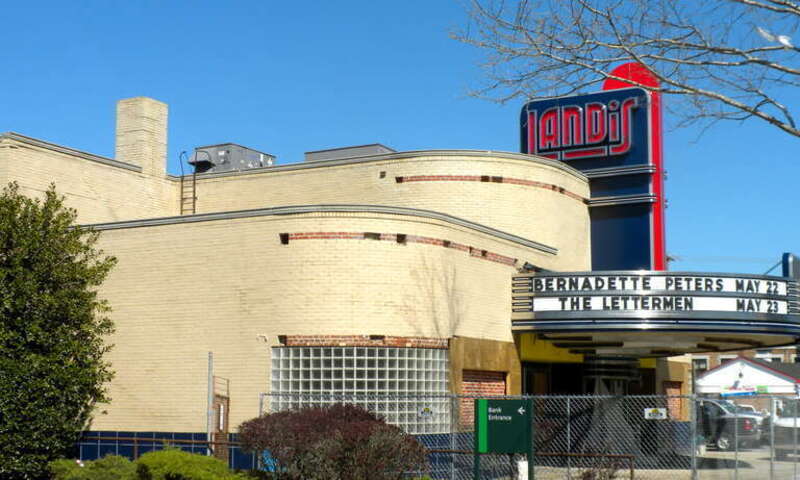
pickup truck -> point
(785, 427)
(722, 426)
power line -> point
(727, 259)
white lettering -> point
(668, 283)
(500, 418)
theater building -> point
(357, 270)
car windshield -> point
(745, 409)
(789, 410)
(728, 406)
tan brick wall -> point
(100, 192)
(182, 290)
(534, 200)
(142, 134)
(6, 150)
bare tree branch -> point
(722, 59)
(776, 6)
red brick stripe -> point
(392, 237)
(492, 179)
(363, 341)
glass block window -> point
(408, 387)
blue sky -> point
(289, 77)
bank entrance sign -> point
(503, 426)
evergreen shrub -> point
(54, 330)
(111, 467)
(175, 464)
(169, 464)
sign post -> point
(503, 426)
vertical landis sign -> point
(614, 138)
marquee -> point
(654, 300)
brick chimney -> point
(142, 134)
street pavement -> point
(747, 464)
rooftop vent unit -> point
(348, 152)
(228, 157)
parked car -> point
(786, 429)
(761, 417)
(749, 410)
(723, 425)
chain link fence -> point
(598, 437)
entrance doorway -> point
(568, 379)
(552, 378)
(221, 409)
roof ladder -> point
(189, 194)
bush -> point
(169, 464)
(175, 464)
(111, 467)
(63, 469)
(337, 442)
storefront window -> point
(700, 365)
(726, 358)
(770, 358)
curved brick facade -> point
(423, 261)
(218, 285)
(519, 194)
